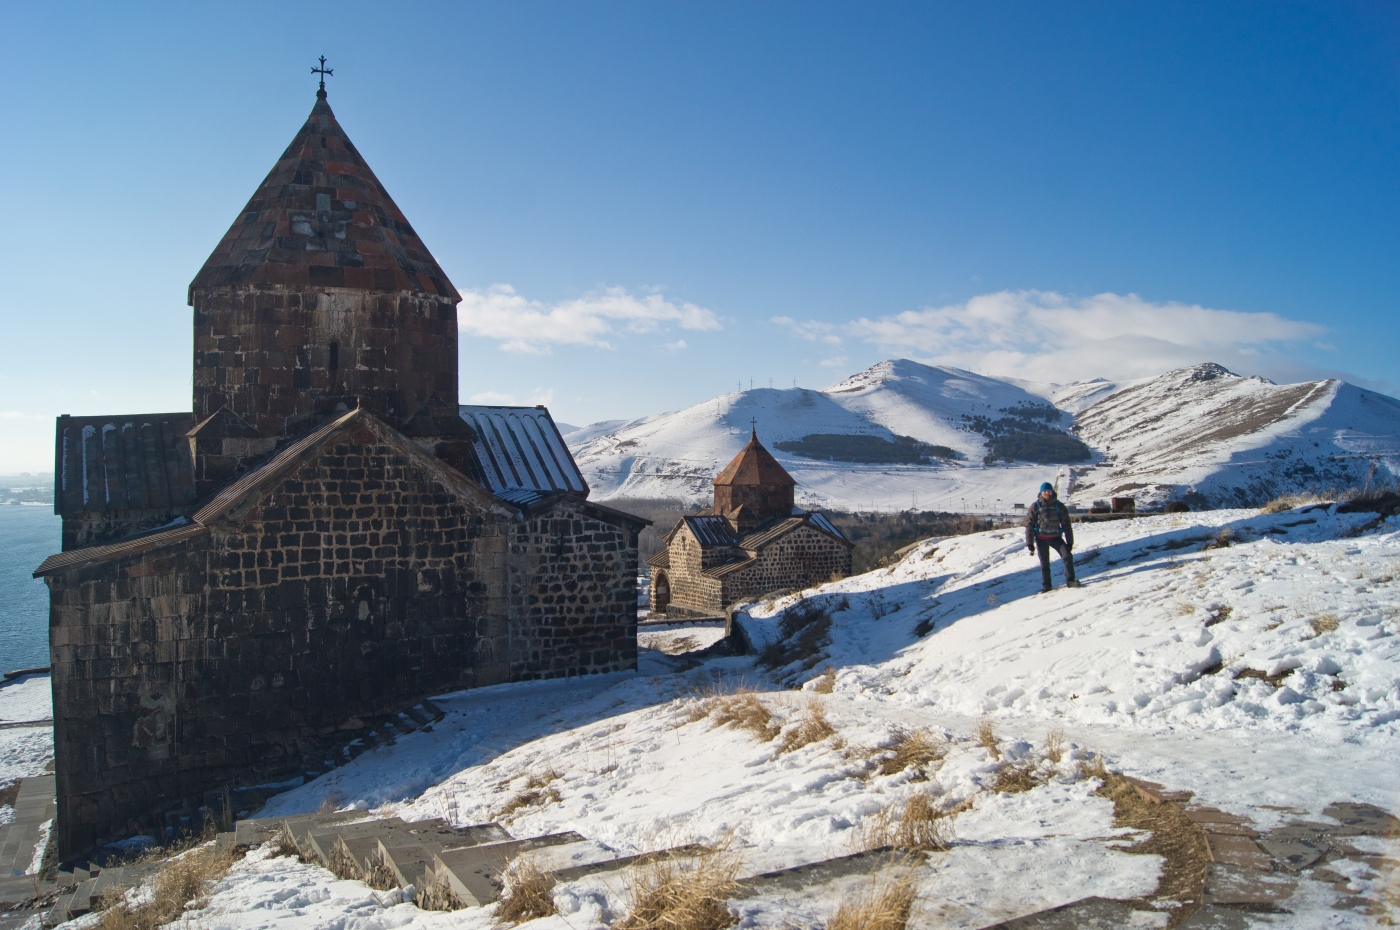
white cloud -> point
(1045, 336)
(523, 325)
(675, 346)
(497, 399)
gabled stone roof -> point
(322, 219)
(754, 465)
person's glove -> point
(1031, 549)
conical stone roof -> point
(322, 219)
(754, 465)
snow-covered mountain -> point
(1227, 440)
(677, 454)
(1201, 433)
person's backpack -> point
(1047, 519)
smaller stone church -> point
(750, 542)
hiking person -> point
(1048, 527)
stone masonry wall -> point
(357, 586)
(573, 594)
(97, 527)
(277, 356)
(691, 589)
(799, 559)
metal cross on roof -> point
(323, 71)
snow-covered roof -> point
(521, 448)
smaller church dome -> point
(754, 465)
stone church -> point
(325, 537)
(751, 542)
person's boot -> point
(1072, 583)
(1047, 589)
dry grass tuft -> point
(913, 749)
(528, 893)
(283, 844)
(825, 683)
(181, 885)
(916, 826)
(1055, 745)
(740, 708)
(1091, 765)
(538, 791)
(1290, 501)
(438, 896)
(1015, 777)
(341, 864)
(886, 903)
(813, 727)
(1173, 836)
(380, 875)
(1323, 623)
(987, 738)
(683, 891)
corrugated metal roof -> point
(661, 559)
(133, 546)
(122, 462)
(522, 497)
(711, 531)
(520, 447)
(719, 571)
(820, 521)
(782, 527)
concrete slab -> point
(1237, 851)
(815, 873)
(1295, 848)
(474, 873)
(1085, 914)
(411, 862)
(1248, 888)
(1366, 819)
(1216, 917)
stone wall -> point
(692, 590)
(97, 527)
(278, 356)
(356, 584)
(799, 559)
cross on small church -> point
(753, 426)
(323, 71)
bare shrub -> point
(682, 891)
(813, 727)
(825, 683)
(1323, 623)
(528, 893)
(283, 843)
(1055, 745)
(330, 803)
(181, 885)
(987, 738)
(917, 825)
(802, 634)
(913, 749)
(884, 904)
(438, 896)
(1091, 765)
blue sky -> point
(647, 204)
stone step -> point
(474, 873)
(411, 862)
(814, 873)
(1084, 914)
(316, 842)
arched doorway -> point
(660, 593)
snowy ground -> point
(1140, 664)
(24, 750)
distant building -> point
(325, 539)
(751, 542)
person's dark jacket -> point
(1050, 520)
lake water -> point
(28, 535)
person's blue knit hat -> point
(1045, 486)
